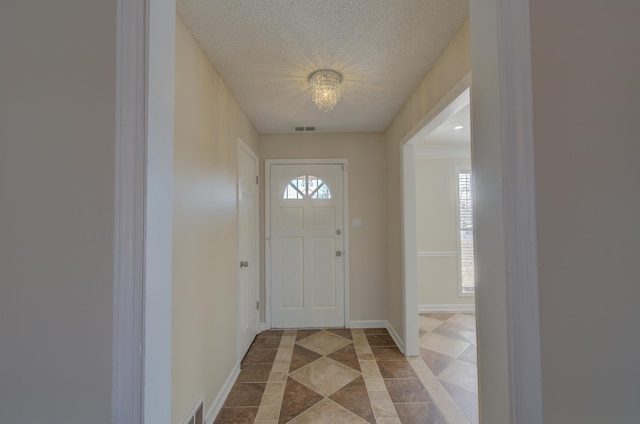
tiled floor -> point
(356, 376)
(448, 347)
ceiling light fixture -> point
(458, 127)
(325, 84)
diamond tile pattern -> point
(325, 376)
(358, 376)
(323, 342)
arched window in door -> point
(306, 186)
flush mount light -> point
(325, 84)
(458, 127)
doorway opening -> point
(444, 254)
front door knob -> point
(338, 252)
(244, 264)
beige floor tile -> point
(327, 411)
(325, 376)
(442, 344)
(324, 342)
(439, 395)
(278, 376)
(370, 370)
(280, 367)
(463, 320)
(382, 405)
(375, 385)
(428, 324)
(469, 336)
(363, 349)
(268, 412)
(461, 374)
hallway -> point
(358, 376)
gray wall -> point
(57, 103)
(586, 106)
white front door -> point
(248, 289)
(306, 244)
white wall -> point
(208, 122)
(437, 230)
(586, 96)
(367, 195)
(57, 122)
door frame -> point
(243, 146)
(267, 226)
(453, 101)
(500, 51)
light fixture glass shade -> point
(326, 89)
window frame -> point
(462, 170)
(313, 195)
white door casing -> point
(306, 243)
(248, 285)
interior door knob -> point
(338, 252)
(244, 264)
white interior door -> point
(307, 243)
(248, 288)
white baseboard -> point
(368, 324)
(262, 327)
(447, 308)
(394, 335)
(193, 411)
(213, 411)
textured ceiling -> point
(266, 49)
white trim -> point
(409, 246)
(267, 226)
(381, 323)
(516, 105)
(158, 259)
(438, 254)
(457, 98)
(345, 230)
(262, 326)
(396, 338)
(194, 409)
(128, 290)
(243, 146)
(447, 308)
(217, 403)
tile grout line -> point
(271, 402)
(379, 398)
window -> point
(465, 229)
(306, 186)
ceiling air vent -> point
(304, 129)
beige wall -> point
(367, 196)
(586, 96)
(452, 66)
(437, 230)
(57, 122)
(208, 121)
